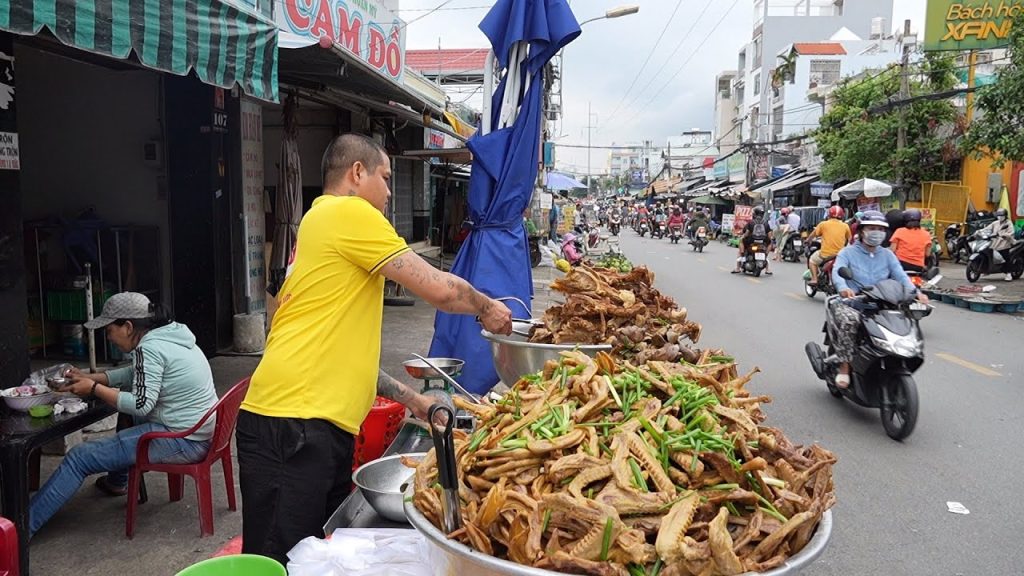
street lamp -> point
(617, 12)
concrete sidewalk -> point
(953, 275)
(86, 538)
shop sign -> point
(737, 166)
(970, 24)
(9, 157)
(253, 219)
(546, 201)
(743, 215)
(9, 154)
(366, 28)
(822, 189)
(728, 221)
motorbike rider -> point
(911, 243)
(870, 263)
(699, 220)
(676, 219)
(756, 231)
(835, 234)
(789, 228)
(1002, 235)
(569, 251)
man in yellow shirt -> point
(320, 371)
(835, 235)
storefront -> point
(118, 164)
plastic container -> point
(379, 429)
(948, 298)
(962, 303)
(981, 306)
(69, 305)
(236, 565)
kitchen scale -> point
(437, 375)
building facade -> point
(726, 128)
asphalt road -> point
(891, 516)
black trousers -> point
(293, 474)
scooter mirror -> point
(845, 273)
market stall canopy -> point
(664, 186)
(559, 181)
(220, 41)
(864, 187)
(710, 200)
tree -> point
(999, 129)
(857, 137)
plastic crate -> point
(379, 429)
(69, 305)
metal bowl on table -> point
(515, 356)
(418, 368)
(383, 483)
(452, 557)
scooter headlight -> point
(906, 346)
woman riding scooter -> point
(870, 264)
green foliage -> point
(999, 130)
(857, 138)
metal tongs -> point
(447, 473)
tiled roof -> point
(819, 48)
(450, 60)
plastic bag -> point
(361, 552)
(39, 376)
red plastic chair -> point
(226, 410)
(8, 548)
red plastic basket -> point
(379, 429)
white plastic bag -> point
(361, 552)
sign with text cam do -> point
(969, 24)
(363, 27)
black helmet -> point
(912, 218)
(758, 210)
(1001, 212)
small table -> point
(20, 435)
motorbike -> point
(824, 285)
(755, 260)
(890, 348)
(659, 230)
(957, 244)
(792, 247)
(700, 239)
(614, 224)
(643, 228)
(984, 260)
(534, 244)
(675, 234)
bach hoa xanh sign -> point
(969, 24)
(363, 27)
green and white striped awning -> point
(221, 40)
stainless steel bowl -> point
(57, 382)
(383, 483)
(418, 368)
(451, 557)
(514, 357)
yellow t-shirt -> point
(835, 235)
(323, 352)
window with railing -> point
(757, 84)
(801, 8)
(825, 72)
(777, 119)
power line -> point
(682, 40)
(648, 59)
(687, 61)
(443, 9)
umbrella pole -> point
(485, 121)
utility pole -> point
(668, 161)
(590, 126)
(901, 133)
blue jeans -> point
(112, 454)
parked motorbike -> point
(700, 239)
(957, 244)
(614, 224)
(984, 260)
(792, 247)
(890, 348)
(534, 244)
(675, 234)
(755, 260)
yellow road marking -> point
(969, 365)
(754, 280)
(795, 296)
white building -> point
(809, 70)
(726, 128)
(779, 23)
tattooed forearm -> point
(392, 389)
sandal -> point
(736, 272)
(104, 485)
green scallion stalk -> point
(732, 509)
(478, 439)
(638, 475)
(726, 487)
(657, 436)
(547, 519)
(606, 542)
(774, 514)
(656, 569)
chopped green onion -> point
(606, 542)
(656, 569)
(547, 519)
(732, 508)
(638, 476)
(478, 439)
(657, 436)
(567, 481)
(590, 493)
(774, 514)
(773, 482)
(727, 487)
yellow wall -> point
(975, 177)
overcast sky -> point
(602, 63)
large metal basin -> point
(451, 558)
(383, 483)
(514, 357)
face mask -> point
(1001, 218)
(874, 238)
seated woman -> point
(167, 386)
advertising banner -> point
(969, 24)
(743, 215)
(254, 218)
